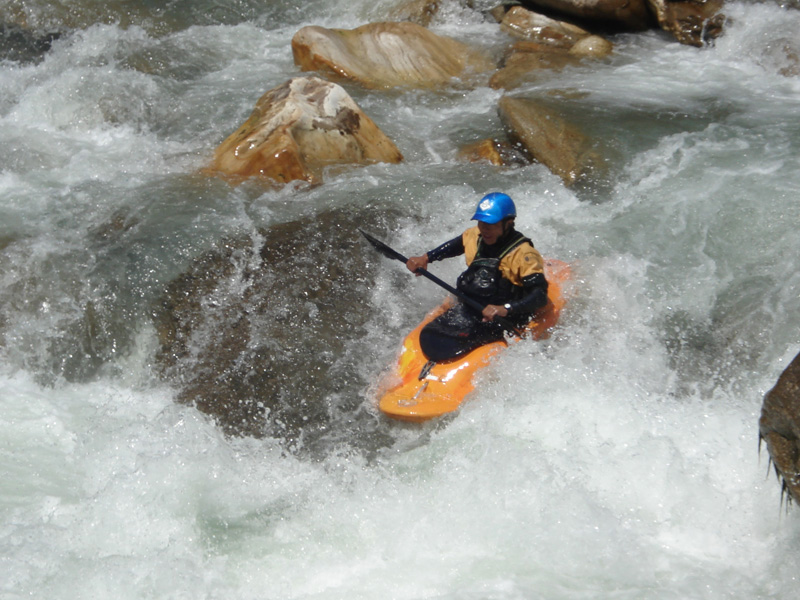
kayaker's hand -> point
(417, 262)
(493, 310)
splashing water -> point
(617, 459)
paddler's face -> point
(491, 232)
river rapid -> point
(617, 459)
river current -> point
(617, 459)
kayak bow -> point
(418, 390)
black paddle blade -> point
(383, 248)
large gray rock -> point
(268, 335)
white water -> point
(618, 459)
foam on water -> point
(617, 459)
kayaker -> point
(504, 272)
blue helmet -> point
(494, 207)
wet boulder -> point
(500, 153)
(525, 64)
(693, 22)
(156, 18)
(267, 333)
(421, 12)
(550, 139)
(779, 427)
(631, 15)
(782, 54)
(386, 55)
(546, 44)
(526, 60)
(22, 45)
(522, 23)
(299, 129)
(593, 46)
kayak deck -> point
(418, 391)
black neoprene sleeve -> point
(449, 249)
(534, 295)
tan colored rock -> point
(498, 12)
(530, 25)
(691, 22)
(630, 14)
(528, 58)
(484, 150)
(779, 427)
(549, 139)
(420, 12)
(386, 55)
(298, 129)
(524, 66)
(593, 46)
(498, 153)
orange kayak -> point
(409, 394)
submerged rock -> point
(779, 427)
(156, 18)
(527, 60)
(387, 55)
(783, 55)
(267, 333)
(299, 129)
(21, 45)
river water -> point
(618, 459)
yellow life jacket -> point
(517, 261)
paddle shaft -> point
(391, 253)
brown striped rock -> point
(387, 55)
